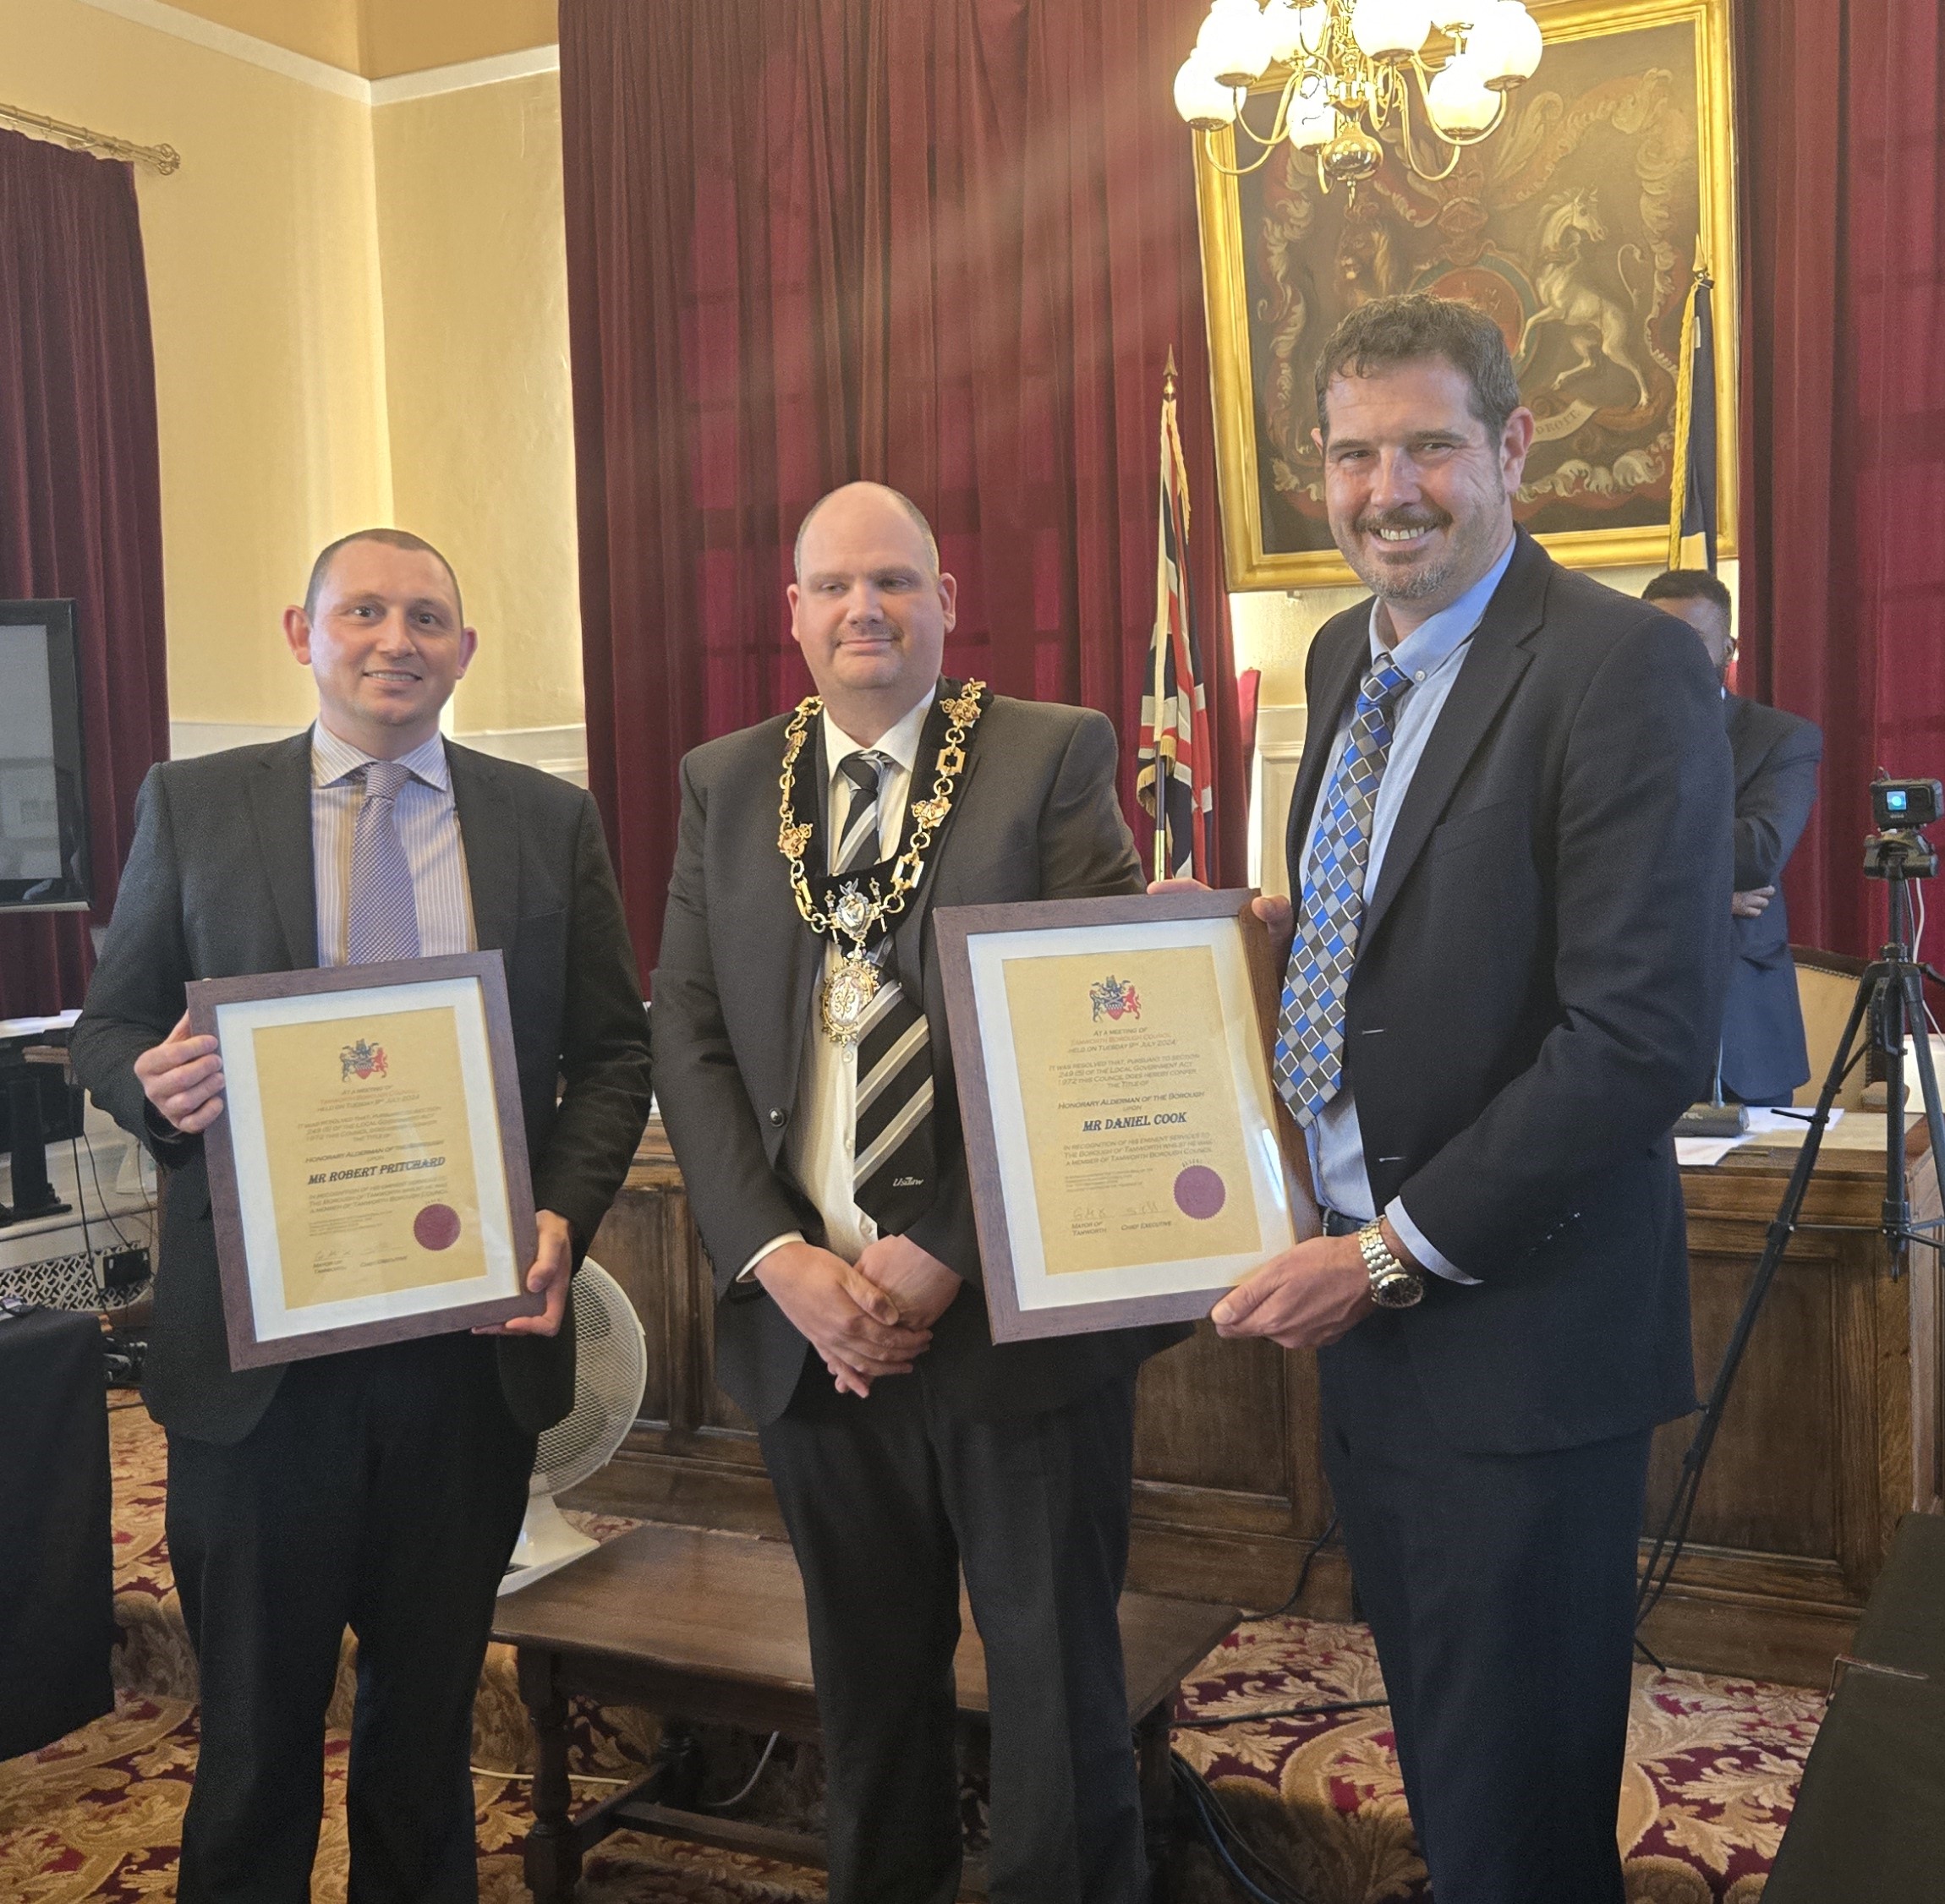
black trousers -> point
(885, 1499)
(383, 1490)
(1500, 1589)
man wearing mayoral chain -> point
(1509, 837)
(806, 1079)
(378, 1488)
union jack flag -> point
(1177, 744)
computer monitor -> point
(43, 765)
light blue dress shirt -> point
(1432, 655)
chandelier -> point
(1353, 69)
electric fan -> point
(610, 1369)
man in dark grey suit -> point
(380, 1488)
(811, 1107)
(1763, 1055)
(1511, 939)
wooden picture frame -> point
(313, 1178)
(1582, 218)
(1222, 1150)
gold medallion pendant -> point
(847, 995)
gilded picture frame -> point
(1578, 225)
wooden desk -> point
(710, 1628)
(1833, 1430)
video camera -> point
(1903, 809)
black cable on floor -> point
(1316, 1547)
(1225, 1839)
(1212, 1721)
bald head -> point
(861, 499)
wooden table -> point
(1834, 1430)
(705, 1627)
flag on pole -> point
(1692, 491)
(1177, 748)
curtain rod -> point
(163, 159)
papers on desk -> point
(1784, 1129)
(37, 1027)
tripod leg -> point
(1673, 1533)
(1927, 1072)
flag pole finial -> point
(1169, 376)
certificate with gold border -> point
(1129, 1160)
(368, 1176)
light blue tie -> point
(1310, 1031)
(381, 914)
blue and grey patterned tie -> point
(1310, 1031)
(381, 914)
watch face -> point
(1398, 1291)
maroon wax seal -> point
(436, 1227)
(1200, 1192)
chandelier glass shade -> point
(1440, 71)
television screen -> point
(43, 774)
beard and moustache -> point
(1426, 576)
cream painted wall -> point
(475, 290)
(380, 38)
(406, 35)
(262, 258)
(325, 29)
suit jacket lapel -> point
(1339, 672)
(489, 834)
(1492, 668)
(282, 816)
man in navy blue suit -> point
(1763, 1055)
(1511, 940)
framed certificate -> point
(1129, 1158)
(367, 1177)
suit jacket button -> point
(776, 1119)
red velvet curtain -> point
(1841, 137)
(944, 244)
(81, 503)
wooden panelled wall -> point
(1833, 1430)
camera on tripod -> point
(1903, 809)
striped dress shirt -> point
(428, 828)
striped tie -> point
(1310, 1031)
(892, 1163)
(382, 916)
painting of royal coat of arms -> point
(1577, 227)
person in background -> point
(1776, 754)
(382, 1488)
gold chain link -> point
(962, 715)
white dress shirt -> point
(824, 1126)
(428, 828)
(1432, 655)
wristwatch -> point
(1393, 1284)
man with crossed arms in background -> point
(1510, 836)
(380, 1488)
(829, 1180)
(1764, 1057)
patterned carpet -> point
(1713, 1771)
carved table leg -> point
(551, 1856)
(1153, 1767)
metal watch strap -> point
(1393, 1284)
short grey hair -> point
(1405, 329)
(914, 514)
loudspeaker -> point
(1870, 1817)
